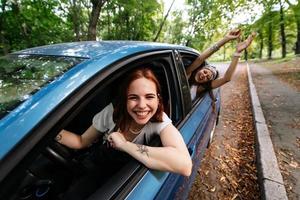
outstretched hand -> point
(241, 46)
(233, 34)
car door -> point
(48, 170)
(197, 123)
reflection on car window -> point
(22, 76)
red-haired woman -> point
(138, 115)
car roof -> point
(100, 54)
(96, 49)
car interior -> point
(53, 171)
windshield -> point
(23, 75)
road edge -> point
(269, 176)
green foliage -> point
(175, 34)
(30, 23)
(268, 27)
(209, 20)
(130, 20)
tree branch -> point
(163, 22)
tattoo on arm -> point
(143, 149)
(58, 137)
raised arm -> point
(240, 47)
(233, 34)
(172, 157)
(75, 141)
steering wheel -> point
(63, 155)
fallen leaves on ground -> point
(298, 142)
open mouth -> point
(142, 114)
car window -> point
(22, 75)
(184, 85)
(187, 60)
(51, 170)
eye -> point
(151, 96)
(133, 98)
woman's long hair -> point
(121, 116)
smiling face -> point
(203, 75)
(142, 100)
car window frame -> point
(178, 183)
(183, 83)
(194, 54)
(41, 134)
(141, 170)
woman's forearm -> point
(161, 158)
(75, 141)
(69, 139)
(234, 61)
(205, 54)
(229, 72)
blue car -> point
(46, 89)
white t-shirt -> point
(103, 122)
(193, 91)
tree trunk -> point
(188, 43)
(3, 41)
(282, 32)
(96, 9)
(261, 44)
(127, 26)
(163, 22)
(246, 54)
(296, 10)
(270, 42)
(76, 24)
(297, 48)
(224, 52)
(108, 23)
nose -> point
(142, 103)
(204, 75)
